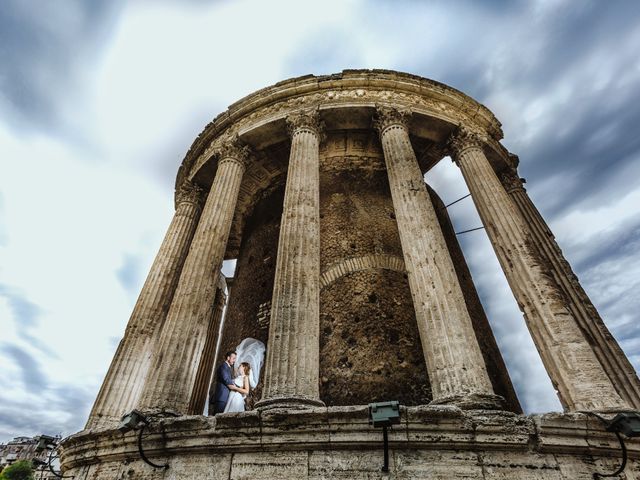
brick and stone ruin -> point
(349, 271)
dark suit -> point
(223, 379)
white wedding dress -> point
(235, 402)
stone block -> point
(555, 430)
(269, 466)
(503, 430)
(439, 424)
(346, 464)
(436, 465)
(521, 465)
(242, 429)
(294, 426)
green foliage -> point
(22, 470)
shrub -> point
(22, 470)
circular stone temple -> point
(349, 272)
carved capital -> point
(463, 139)
(233, 149)
(386, 117)
(513, 160)
(510, 180)
(189, 192)
(308, 120)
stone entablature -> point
(434, 109)
(351, 87)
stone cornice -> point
(387, 116)
(366, 87)
(514, 160)
(422, 427)
(510, 180)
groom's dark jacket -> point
(223, 378)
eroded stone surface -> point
(573, 367)
(431, 442)
(615, 363)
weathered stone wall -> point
(250, 294)
(338, 442)
(370, 348)
(369, 344)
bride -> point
(235, 403)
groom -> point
(224, 382)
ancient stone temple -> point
(349, 272)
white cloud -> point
(69, 223)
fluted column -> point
(125, 378)
(606, 348)
(205, 368)
(457, 371)
(574, 369)
(292, 363)
(172, 377)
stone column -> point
(205, 368)
(172, 377)
(292, 363)
(125, 378)
(574, 369)
(606, 348)
(456, 368)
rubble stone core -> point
(348, 269)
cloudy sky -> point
(100, 99)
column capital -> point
(233, 149)
(463, 139)
(510, 180)
(514, 160)
(189, 192)
(387, 116)
(308, 120)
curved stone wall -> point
(431, 442)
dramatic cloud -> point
(100, 100)
(47, 49)
(33, 378)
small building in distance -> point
(24, 448)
